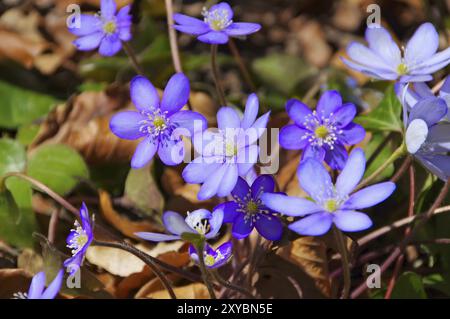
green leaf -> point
(142, 190)
(27, 133)
(20, 106)
(12, 156)
(383, 155)
(17, 220)
(58, 167)
(409, 286)
(385, 117)
(281, 71)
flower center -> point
(157, 125)
(209, 260)
(321, 131)
(79, 240)
(331, 205)
(110, 27)
(230, 149)
(402, 69)
(216, 19)
(252, 207)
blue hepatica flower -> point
(322, 133)
(330, 203)
(79, 240)
(214, 258)
(246, 211)
(420, 91)
(200, 221)
(105, 31)
(37, 288)
(217, 25)
(382, 59)
(160, 124)
(228, 152)
(427, 139)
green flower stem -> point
(215, 72)
(342, 248)
(399, 152)
(133, 58)
(200, 246)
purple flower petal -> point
(108, 9)
(85, 219)
(290, 206)
(297, 111)
(365, 57)
(53, 289)
(192, 29)
(227, 118)
(226, 250)
(313, 225)
(242, 28)
(336, 157)
(215, 222)
(192, 121)
(212, 183)
(431, 110)
(214, 37)
(293, 137)
(369, 196)
(270, 227)
(419, 78)
(345, 114)
(229, 211)
(126, 125)
(143, 94)
(228, 181)
(423, 44)
(145, 151)
(351, 221)
(263, 184)
(437, 164)
(176, 93)
(89, 24)
(175, 223)
(314, 179)
(253, 133)
(223, 8)
(188, 21)
(89, 42)
(380, 41)
(110, 45)
(329, 101)
(353, 134)
(432, 64)
(37, 286)
(315, 152)
(198, 170)
(251, 111)
(171, 152)
(374, 72)
(156, 236)
(352, 173)
(242, 226)
(246, 158)
(241, 189)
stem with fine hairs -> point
(216, 75)
(133, 58)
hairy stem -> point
(150, 261)
(216, 76)
(342, 247)
(173, 38)
(133, 58)
(241, 64)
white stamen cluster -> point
(79, 240)
(329, 199)
(201, 226)
(322, 130)
(157, 125)
(20, 295)
(216, 19)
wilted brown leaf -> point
(13, 280)
(309, 254)
(30, 261)
(121, 222)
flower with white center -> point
(324, 132)
(200, 221)
(331, 203)
(79, 239)
(213, 258)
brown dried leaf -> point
(192, 291)
(12, 281)
(309, 254)
(121, 222)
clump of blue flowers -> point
(160, 124)
(323, 133)
(331, 203)
(217, 25)
(105, 31)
